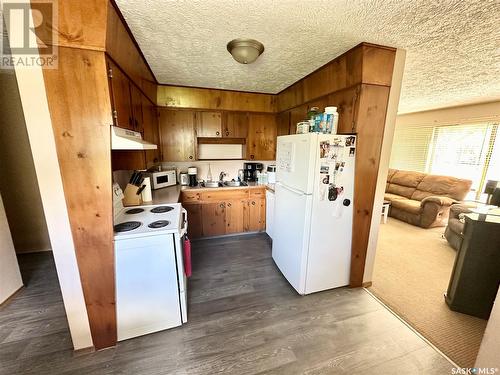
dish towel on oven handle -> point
(187, 256)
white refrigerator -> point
(314, 209)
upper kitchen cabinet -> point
(235, 125)
(121, 103)
(151, 130)
(208, 124)
(261, 140)
(178, 140)
(126, 100)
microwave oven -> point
(162, 179)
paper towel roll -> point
(146, 193)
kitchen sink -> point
(216, 184)
(212, 184)
(235, 183)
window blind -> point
(470, 151)
(410, 147)
(460, 151)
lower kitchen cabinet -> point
(235, 216)
(213, 218)
(256, 214)
(220, 212)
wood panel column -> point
(80, 110)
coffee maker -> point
(250, 171)
(193, 178)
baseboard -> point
(84, 351)
(366, 284)
(13, 295)
(226, 236)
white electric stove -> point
(151, 285)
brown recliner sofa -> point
(423, 199)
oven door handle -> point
(184, 222)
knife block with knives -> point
(130, 196)
(133, 190)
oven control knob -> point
(346, 202)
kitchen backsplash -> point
(231, 168)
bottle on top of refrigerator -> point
(331, 120)
(311, 116)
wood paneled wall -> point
(365, 63)
(358, 83)
(79, 104)
(200, 98)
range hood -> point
(124, 139)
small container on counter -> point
(271, 174)
(146, 192)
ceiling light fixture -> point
(245, 51)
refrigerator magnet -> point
(324, 148)
(349, 141)
(324, 168)
(351, 151)
(332, 193)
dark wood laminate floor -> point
(244, 318)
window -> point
(465, 151)
(460, 151)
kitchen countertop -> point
(172, 194)
(166, 195)
(251, 185)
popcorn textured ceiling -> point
(453, 46)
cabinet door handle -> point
(217, 133)
(252, 156)
(222, 205)
(253, 203)
(229, 204)
(190, 156)
(227, 134)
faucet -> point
(222, 175)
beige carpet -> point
(412, 271)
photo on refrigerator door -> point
(324, 149)
(349, 141)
